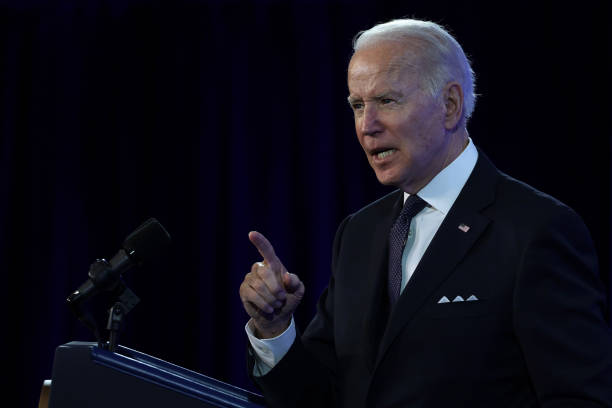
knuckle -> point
(263, 271)
(245, 295)
(244, 286)
(258, 285)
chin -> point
(387, 179)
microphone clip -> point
(124, 304)
(103, 278)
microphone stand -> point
(105, 277)
(124, 304)
(121, 297)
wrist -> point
(269, 330)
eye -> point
(386, 101)
(356, 105)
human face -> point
(400, 127)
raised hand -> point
(269, 293)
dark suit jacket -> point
(536, 336)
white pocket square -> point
(458, 298)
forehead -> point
(386, 64)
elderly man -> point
(464, 288)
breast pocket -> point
(465, 309)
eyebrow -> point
(383, 95)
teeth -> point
(386, 153)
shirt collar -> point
(442, 191)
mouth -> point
(381, 154)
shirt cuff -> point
(268, 352)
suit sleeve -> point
(559, 316)
(305, 376)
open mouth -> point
(381, 154)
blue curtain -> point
(221, 117)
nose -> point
(370, 122)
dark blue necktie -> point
(397, 240)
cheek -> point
(357, 127)
(360, 140)
(416, 130)
(358, 133)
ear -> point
(453, 105)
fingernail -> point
(269, 309)
(278, 304)
(281, 295)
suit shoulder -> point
(381, 206)
(534, 206)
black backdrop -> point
(222, 117)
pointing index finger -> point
(264, 247)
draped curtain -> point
(221, 117)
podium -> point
(85, 375)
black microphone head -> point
(147, 241)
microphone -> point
(141, 246)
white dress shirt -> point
(440, 195)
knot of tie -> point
(397, 240)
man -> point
(464, 288)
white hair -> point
(442, 58)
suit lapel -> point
(376, 316)
(449, 245)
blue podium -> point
(85, 375)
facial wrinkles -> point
(371, 88)
(412, 122)
(372, 75)
(365, 80)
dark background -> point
(218, 118)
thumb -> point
(292, 283)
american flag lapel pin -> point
(463, 227)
